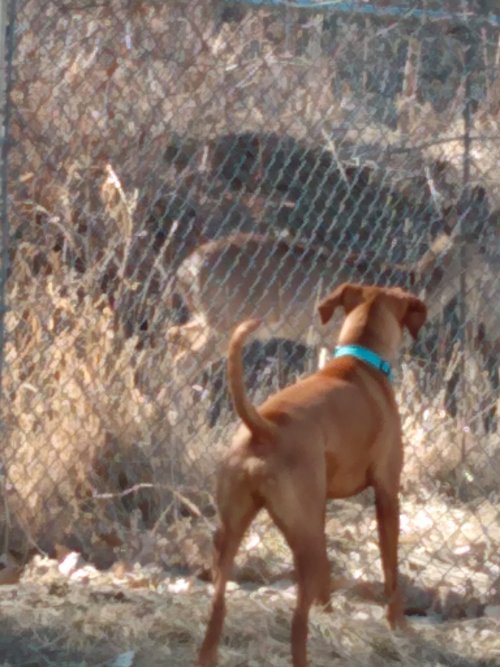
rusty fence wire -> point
(175, 167)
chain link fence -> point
(176, 167)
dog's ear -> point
(415, 316)
(347, 295)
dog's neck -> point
(370, 343)
(361, 327)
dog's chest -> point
(346, 477)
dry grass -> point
(71, 395)
(439, 454)
(143, 617)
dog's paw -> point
(395, 613)
(207, 657)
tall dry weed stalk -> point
(75, 422)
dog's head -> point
(388, 306)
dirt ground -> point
(105, 622)
(68, 614)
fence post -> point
(7, 17)
(466, 176)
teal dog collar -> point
(367, 356)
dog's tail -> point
(258, 425)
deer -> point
(245, 276)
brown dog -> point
(330, 435)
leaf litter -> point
(66, 612)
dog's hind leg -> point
(301, 518)
(234, 521)
(313, 585)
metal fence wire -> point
(176, 167)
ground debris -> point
(55, 618)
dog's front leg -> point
(387, 506)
